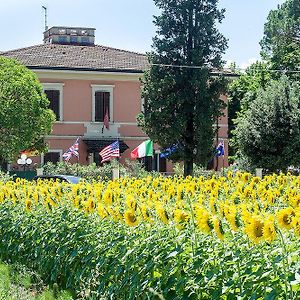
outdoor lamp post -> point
(24, 161)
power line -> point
(228, 70)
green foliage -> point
(19, 283)
(182, 104)
(101, 258)
(88, 172)
(198, 171)
(243, 91)
(24, 114)
(4, 176)
(268, 133)
(131, 168)
(281, 41)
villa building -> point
(83, 81)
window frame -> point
(60, 151)
(103, 88)
(57, 87)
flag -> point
(105, 120)
(144, 149)
(72, 151)
(168, 151)
(110, 151)
(220, 150)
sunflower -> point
(102, 211)
(162, 214)
(130, 218)
(295, 201)
(181, 218)
(218, 228)
(230, 213)
(254, 229)
(146, 213)
(203, 219)
(296, 222)
(269, 231)
(90, 205)
(130, 202)
(285, 217)
(28, 204)
(296, 225)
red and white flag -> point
(106, 120)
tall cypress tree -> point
(181, 97)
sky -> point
(127, 24)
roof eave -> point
(112, 70)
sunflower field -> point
(228, 237)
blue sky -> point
(127, 24)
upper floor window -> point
(101, 105)
(54, 94)
(102, 102)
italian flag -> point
(144, 149)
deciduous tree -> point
(281, 41)
(268, 133)
(24, 114)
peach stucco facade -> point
(77, 113)
(77, 110)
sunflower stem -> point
(285, 267)
(195, 245)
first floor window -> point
(53, 157)
(155, 163)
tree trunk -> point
(188, 167)
(189, 138)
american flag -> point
(110, 151)
(72, 151)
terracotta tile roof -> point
(56, 56)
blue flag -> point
(168, 151)
(220, 150)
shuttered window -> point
(53, 157)
(53, 97)
(101, 105)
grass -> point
(18, 283)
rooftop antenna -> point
(45, 9)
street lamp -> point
(24, 161)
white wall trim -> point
(103, 88)
(59, 87)
(70, 137)
(60, 151)
(87, 75)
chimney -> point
(70, 36)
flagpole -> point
(77, 165)
(118, 158)
(223, 164)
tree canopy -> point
(268, 133)
(24, 114)
(281, 41)
(181, 97)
